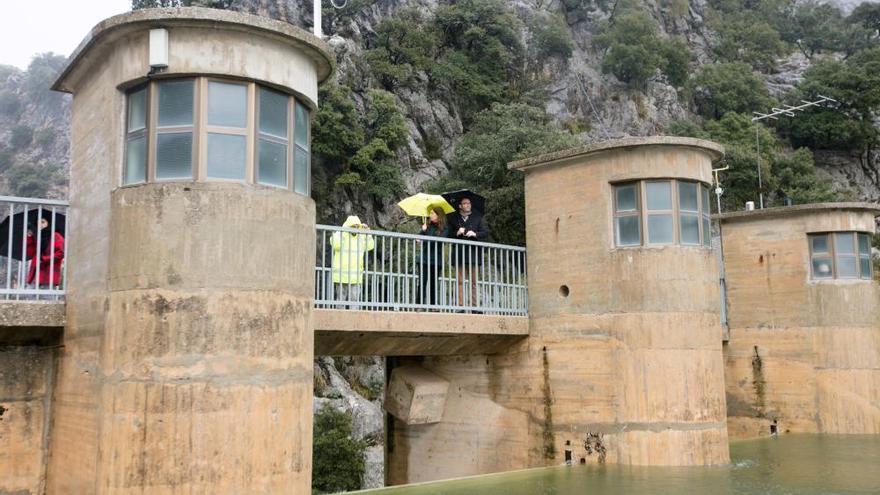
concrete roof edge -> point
(712, 148)
(797, 209)
(183, 15)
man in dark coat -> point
(467, 225)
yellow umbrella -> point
(418, 205)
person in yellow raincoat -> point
(347, 267)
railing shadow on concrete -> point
(32, 266)
(372, 270)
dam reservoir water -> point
(795, 464)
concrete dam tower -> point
(623, 362)
(187, 359)
(804, 311)
(624, 308)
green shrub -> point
(7, 157)
(867, 14)
(358, 149)
(481, 54)
(21, 137)
(849, 123)
(716, 89)
(634, 50)
(550, 37)
(747, 37)
(41, 73)
(29, 181)
(45, 137)
(337, 458)
(405, 45)
(9, 104)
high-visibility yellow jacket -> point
(348, 254)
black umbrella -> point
(16, 222)
(478, 203)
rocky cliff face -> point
(34, 130)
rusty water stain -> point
(547, 434)
(758, 382)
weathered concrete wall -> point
(208, 332)
(802, 353)
(187, 359)
(26, 374)
(626, 367)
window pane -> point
(822, 268)
(628, 230)
(844, 244)
(302, 125)
(273, 163)
(626, 197)
(135, 161)
(273, 113)
(687, 196)
(226, 156)
(819, 243)
(175, 103)
(707, 231)
(864, 244)
(865, 267)
(660, 229)
(227, 104)
(690, 229)
(659, 195)
(174, 155)
(846, 267)
(137, 110)
(301, 171)
(707, 203)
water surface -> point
(790, 464)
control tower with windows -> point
(188, 345)
(804, 317)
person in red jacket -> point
(51, 256)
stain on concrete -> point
(547, 433)
(759, 383)
(593, 444)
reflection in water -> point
(791, 464)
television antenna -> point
(316, 14)
(775, 113)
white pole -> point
(316, 15)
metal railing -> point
(387, 271)
(32, 265)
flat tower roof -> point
(316, 48)
(713, 149)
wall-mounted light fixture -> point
(158, 48)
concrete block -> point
(416, 396)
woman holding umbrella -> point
(51, 245)
(432, 254)
(432, 209)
